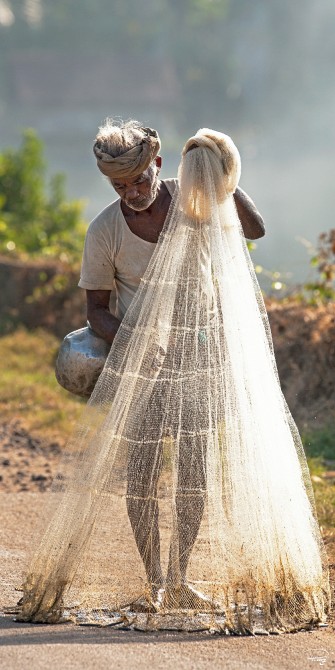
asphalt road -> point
(70, 647)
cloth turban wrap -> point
(132, 162)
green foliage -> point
(319, 447)
(318, 290)
(35, 220)
(324, 492)
(322, 288)
(320, 444)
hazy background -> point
(260, 70)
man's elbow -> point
(258, 229)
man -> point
(119, 244)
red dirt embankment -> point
(304, 343)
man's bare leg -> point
(143, 516)
(189, 509)
(190, 503)
(144, 467)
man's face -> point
(138, 192)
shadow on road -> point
(18, 633)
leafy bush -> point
(320, 443)
(34, 219)
(322, 288)
(317, 290)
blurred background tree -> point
(34, 219)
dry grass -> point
(28, 388)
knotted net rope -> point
(186, 500)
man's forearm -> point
(103, 323)
(251, 220)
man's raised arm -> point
(101, 320)
(251, 220)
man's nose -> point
(132, 192)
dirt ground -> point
(28, 463)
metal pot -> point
(81, 358)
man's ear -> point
(158, 161)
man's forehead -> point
(132, 180)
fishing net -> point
(185, 500)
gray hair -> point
(117, 136)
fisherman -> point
(187, 429)
(119, 244)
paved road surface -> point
(70, 647)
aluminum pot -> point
(81, 358)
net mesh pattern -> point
(185, 500)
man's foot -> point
(185, 597)
(147, 604)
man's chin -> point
(140, 206)
(145, 204)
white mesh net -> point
(186, 500)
